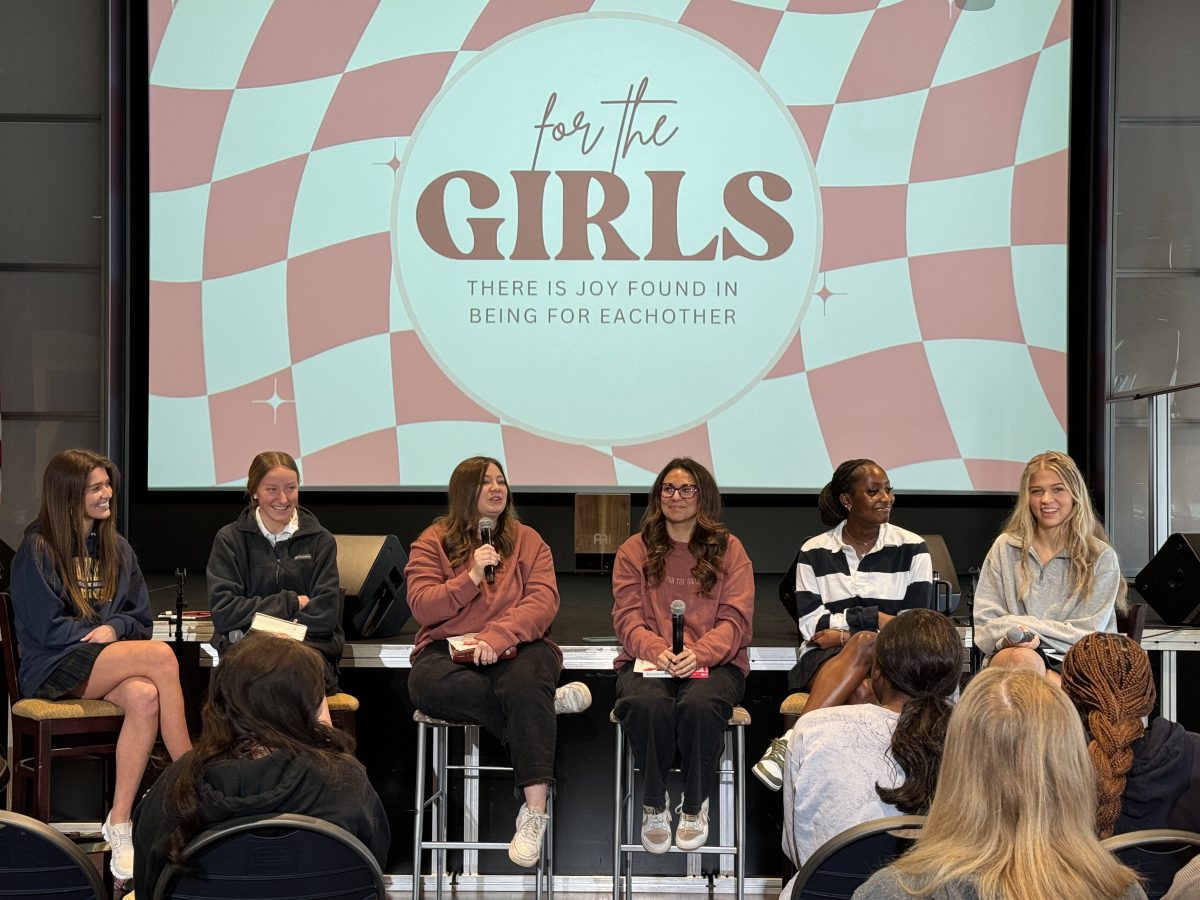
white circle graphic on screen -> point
(606, 229)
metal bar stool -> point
(439, 813)
(731, 824)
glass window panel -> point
(51, 182)
(1185, 473)
(1158, 58)
(1128, 523)
(1156, 335)
(28, 446)
(53, 52)
(50, 342)
(1158, 197)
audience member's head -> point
(919, 655)
(266, 696)
(1108, 678)
(1014, 810)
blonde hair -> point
(1015, 808)
(1108, 678)
(1086, 537)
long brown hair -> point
(264, 697)
(1086, 537)
(64, 530)
(1014, 812)
(920, 653)
(709, 538)
(461, 520)
(1108, 678)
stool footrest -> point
(707, 848)
(460, 845)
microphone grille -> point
(487, 522)
(677, 607)
(1016, 635)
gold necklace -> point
(862, 548)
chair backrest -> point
(1156, 854)
(9, 649)
(1132, 622)
(840, 866)
(36, 860)
(285, 856)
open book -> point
(263, 622)
(649, 670)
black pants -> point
(512, 698)
(661, 715)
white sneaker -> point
(120, 840)
(692, 831)
(769, 769)
(526, 845)
(572, 698)
(656, 827)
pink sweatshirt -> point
(718, 628)
(518, 608)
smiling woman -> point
(850, 582)
(1051, 576)
(277, 559)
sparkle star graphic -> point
(274, 401)
(824, 293)
(393, 163)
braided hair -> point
(1108, 678)
(844, 476)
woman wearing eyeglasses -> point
(685, 553)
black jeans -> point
(660, 715)
(512, 698)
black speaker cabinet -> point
(371, 571)
(1170, 583)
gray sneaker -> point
(769, 769)
(526, 845)
(120, 841)
(692, 831)
(572, 698)
(656, 827)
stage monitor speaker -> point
(1170, 583)
(371, 571)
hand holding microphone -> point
(1018, 636)
(487, 529)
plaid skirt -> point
(70, 673)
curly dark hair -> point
(844, 477)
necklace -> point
(862, 548)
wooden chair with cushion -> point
(46, 730)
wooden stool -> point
(342, 708)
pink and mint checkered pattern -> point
(936, 342)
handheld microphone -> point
(486, 527)
(677, 610)
(1018, 635)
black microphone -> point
(1018, 635)
(677, 609)
(486, 527)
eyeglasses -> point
(686, 491)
